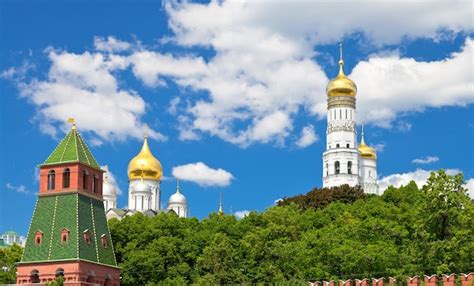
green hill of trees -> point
(327, 234)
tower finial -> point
(72, 122)
(177, 185)
(221, 211)
(341, 61)
(362, 141)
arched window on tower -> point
(51, 179)
(59, 272)
(34, 276)
(85, 174)
(337, 167)
(66, 178)
(327, 169)
(337, 145)
(64, 235)
(349, 167)
(95, 185)
(346, 113)
(38, 237)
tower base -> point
(75, 273)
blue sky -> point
(238, 87)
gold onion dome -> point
(341, 85)
(145, 165)
(365, 150)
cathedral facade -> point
(144, 194)
(345, 161)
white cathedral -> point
(343, 161)
(144, 194)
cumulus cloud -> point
(203, 175)
(83, 86)
(19, 189)
(419, 176)
(264, 66)
(111, 179)
(262, 72)
(314, 21)
(111, 44)
(410, 86)
(426, 160)
(307, 137)
(241, 214)
(470, 187)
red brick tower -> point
(68, 234)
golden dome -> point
(341, 85)
(145, 165)
(366, 151)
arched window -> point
(104, 241)
(66, 178)
(51, 179)
(95, 185)
(327, 169)
(346, 113)
(38, 237)
(337, 146)
(349, 167)
(34, 276)
(64, 235)
(337, 167)
(85, 174)
(59, 272)
(340, 113)
(87, 236)
(370, 174)
(348, 146)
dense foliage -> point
(8, 257)
(342, 234)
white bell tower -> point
(341, 158)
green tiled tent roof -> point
(72, 149)
(76, 213)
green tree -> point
(9, 256)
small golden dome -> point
(145, 165)
(365, 150)
(341, 85)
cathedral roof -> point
(365, 150)
(145, 165)
(72, 149)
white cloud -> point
(111, 179)
(426, 160)
(307, 137)
(83, 86)
(315, 21)
(420, 177)
(261, 72)
(241, 214)
(470, 187)
(203, 175)
(111, 44)
(390, 86)
(19, 189)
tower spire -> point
(362, 141)
(341, 61)
(177, 185)
(221, 211)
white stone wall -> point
(368, 174)
(180, 209)
(144, 200)
(341, 146)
